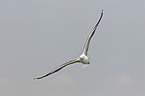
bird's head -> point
(84, 59)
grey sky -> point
(38, 35)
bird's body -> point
(83, 58)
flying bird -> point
(83, 58)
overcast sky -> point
(38, 35)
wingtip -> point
(35, 78)
(102, 11)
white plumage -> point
(83, 58)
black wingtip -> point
(35, 79)
(102, 11)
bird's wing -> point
(86, 46)
(59, 68)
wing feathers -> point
(86, 46)
(59, 68)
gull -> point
(83, 58)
